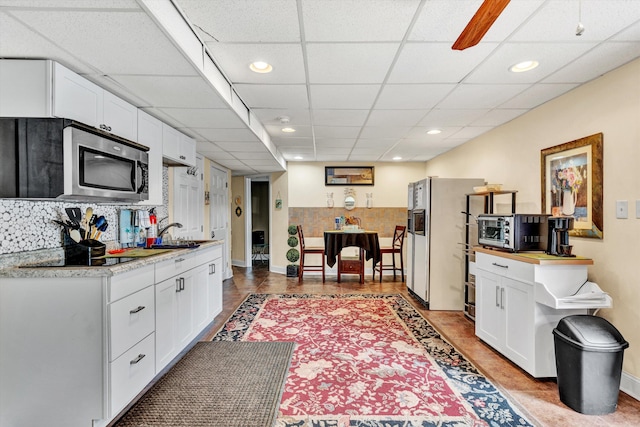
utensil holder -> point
(83, 252)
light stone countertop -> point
(21, 270)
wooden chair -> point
(396, 248)
(304, 250)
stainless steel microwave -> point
(514, 232)
(98, 165)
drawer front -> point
(132, 281)
(518, 270)
(131, 372)
(131, 319)
(351, 266)
(207, 255)
(174, 266)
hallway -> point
(539, 398)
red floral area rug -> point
(368, 360)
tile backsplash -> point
(28, 225)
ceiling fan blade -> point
(480, 23)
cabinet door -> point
(215, 287)
(519, 322)
(76, 98)
(150, 134)
(187, 152)
(201, 298)
(489, 313)
(119, 117)
(166, 321)
(185, 310)
(171, 140)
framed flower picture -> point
(572, 177)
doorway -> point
(260, 230)
(218, 216)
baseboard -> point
(239, 263)
(630, 385)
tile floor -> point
(538, 398)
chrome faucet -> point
(164, 229)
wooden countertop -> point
(535, 257)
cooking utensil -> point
(102, 228)
(75, 235)
(75, 216)
(85, 221)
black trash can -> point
(589, 353)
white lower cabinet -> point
(509, 314)
(76, 350)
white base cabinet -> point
(509, 314)
(75, 351)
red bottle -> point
(152, 231)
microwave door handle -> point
(143, 179)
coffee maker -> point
(558, 237)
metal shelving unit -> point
(469, 277)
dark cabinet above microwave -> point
(31, 158)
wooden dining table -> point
(336, 240)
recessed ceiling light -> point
(297, 158)
(288, 130)
(260, 67)
(433, 132)
(397, 158)
(523, 66)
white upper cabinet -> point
(177, 148)
(150, 134)
(44, 88)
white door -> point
(218, 222)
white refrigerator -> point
(435, 267)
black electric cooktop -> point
(96, 262)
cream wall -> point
(307, 188)
(510, 155)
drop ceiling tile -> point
(481, 96)
(276, 131)
(336, 131)
(207, 146)
(384, 132)
(335, 142)
(227, 135)
(231, 164)
(596, 62)
(631, 33)
(420, 133)
(498, 117)
(383, 144)
(120, 42)
(395, 117)
(253, 155)
(172, 91)
(274, 96)
(343, 151)
(356, 97)
(271, 116)
(293, 141)
(537, 95)
(258, 164)
(350, 63)
(437, 62)
(412, 97)
(74, 4)
(244, 21)
(205, 117)
(353, 20)
(331, 158)
(439, 118)
(286, 60)
(557, 20)
(551, 56)
(233, 147)
(339, 117)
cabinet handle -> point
(183, 158)
(212, 269)
(497, 296)
(178, 285)
(500, 265)
(137, 310)
(182, 283)
(180, 260)
(137, 359)
(502, 298)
